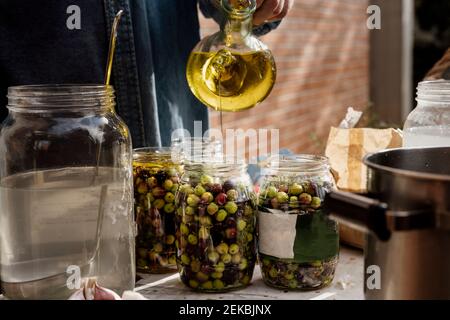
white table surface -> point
(347, 285)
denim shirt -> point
(155, 38)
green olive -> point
(192, 239)
(212, 208)
(289, 275)
(236, 258)
(203, 233)
(201, 276)
(193, 284)
(213, 256)
(207, 197)
(169, 208)
(221, 215)
(316, 203)
(192, 200)
(159, 204)
(273, 273)
(225, 258)
(245, 280)
(216, 275)
(220, 267)
(189, 211)
(170, 239)
(205, 221)
(199, 190)
(234, 248)
(184, 229)
(305, 198)
(293, 284)
(208, 285)
(272, 192)
(282, 197)
(141, 263)
(232, 195)
(158, 248)
(142, 188)
(241, 224)
(231, 207)
(195, 265)
(295, 189)
(168, 184)
(185, 259)
(218, 284)
(169, 197)
(243, 264)
(205, 179)
(222, 248)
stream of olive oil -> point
(228, 81)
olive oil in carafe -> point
(228, 81)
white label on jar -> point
(277, 234)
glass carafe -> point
(66, 192)
(232, 70)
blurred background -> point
(328, 60)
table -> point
(347, 285)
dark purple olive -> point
(230, 222)
(201, 210)
(215, 188)
(228, 185)
(230, 276)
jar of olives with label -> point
(215, 226)
(298, 244)
(156, 179)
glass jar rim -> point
(297, 163)
(216, 166)
(434, 92)
(147, 154)
(58, 97)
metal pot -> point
(407, 214)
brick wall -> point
(322, 55)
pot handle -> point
(365, 212)
(375, 216)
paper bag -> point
(346, 149)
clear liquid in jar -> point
(427, 137)
(50, 220)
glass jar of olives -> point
(298, 245)
(156, 178)
(215, 226)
